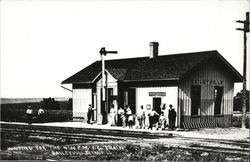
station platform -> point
(95, 129)
(208, 133)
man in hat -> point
(89, 114)
(171, 117)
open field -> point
(28, 100)
(14, 109)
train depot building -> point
(199, 85)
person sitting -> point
(162, 122)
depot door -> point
(129, 99)
(157, 104)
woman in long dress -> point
(147, 118)
(120, 115)
(112, 116)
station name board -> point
(157, 94)
(207, 81)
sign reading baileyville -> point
(157, 93)
(206, 81)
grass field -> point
(14, 110)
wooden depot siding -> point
(143, 97)
(81, 100)
(207, 76)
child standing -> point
(130, 121)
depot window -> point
(195, 99)
(218, 94)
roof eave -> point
(238, 77)
(76, 82)
(148, 80)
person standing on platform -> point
(171, 117)
(174, 118)
(141, 117)
(29, 113)
(89, 113)
(152, 115)
(165, 112)
(147, 111)
(128, 112)
(124, 119)
(120, 116)
(130, 121)
(112, 115)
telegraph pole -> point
(104, 104)
(245, 30)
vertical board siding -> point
(81, 99)
(207, 72)
(143, 98)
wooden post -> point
(245, 30)
(243, 123)
(104, 87)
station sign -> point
(207, 81)
(157, 94)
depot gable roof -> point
(164, 67)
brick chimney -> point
(153, 49)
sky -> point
(44, 42)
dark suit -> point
(171, 118)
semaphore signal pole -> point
(104, 105)
(245, 30)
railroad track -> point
(229, 147)
(82, 131)
(222, 150)
(242, 144)
(79, 136)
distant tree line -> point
(52, 104)
(54, 110)
(238, 101)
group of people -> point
(146, 118)
(30, 115)
(125, 117)
(152, 118)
